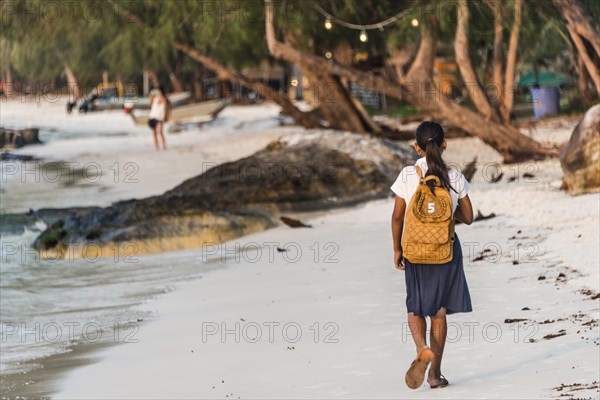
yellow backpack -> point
(428, 235)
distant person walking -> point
(159, 114)
(428, 250)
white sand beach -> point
(196, 202)
(327, 319)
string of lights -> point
(329, 19)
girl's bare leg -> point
(439, 328)
(155, 138)
(162, 135)
(418, 328)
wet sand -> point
(44, 376)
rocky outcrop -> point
(580, 157)
(305, 172)
(16, 138)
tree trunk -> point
(398, 60)
(199, 83)
(266, 92)
(153, 78)
(580, 21)
(370, 125)
(340, 109)
(498, 55)
(506, 139)
(511, 64)
(582, 81)
(9, 89)
(591, 67)
(73, 85)
(581, 28)
(336, 107)
(173, 76)
(421, 69)
(463, 60)
(177, 85)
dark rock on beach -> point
(308, 172)
(16, 138)
(6, 156)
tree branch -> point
(591, 67)
(265, 91)
(580, 21)
(421, 68)
(580, 26)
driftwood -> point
(294, 223)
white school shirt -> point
(157, 110)
(407, 182)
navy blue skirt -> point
(430, 287)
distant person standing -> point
(159, 114)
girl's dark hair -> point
(161, 89)
(430, 137)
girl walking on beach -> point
(437, 287)
(159, 114)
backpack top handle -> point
(424, 180)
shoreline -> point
(362, 294)
(43, 378)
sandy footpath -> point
(327, 319)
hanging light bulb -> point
(415, 22)
(328, 24)
(328, 54)
(363, 36)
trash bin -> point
(546, 101)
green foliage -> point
(127, 37)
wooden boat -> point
(142, 103)
(137, 103)
(194, 112)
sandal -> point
(442, 382)
(416, 373)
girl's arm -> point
(464, 211)
(397, 224)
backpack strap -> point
(427, 178)
(419, 171)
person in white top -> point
(159, 113)
(432, 290)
